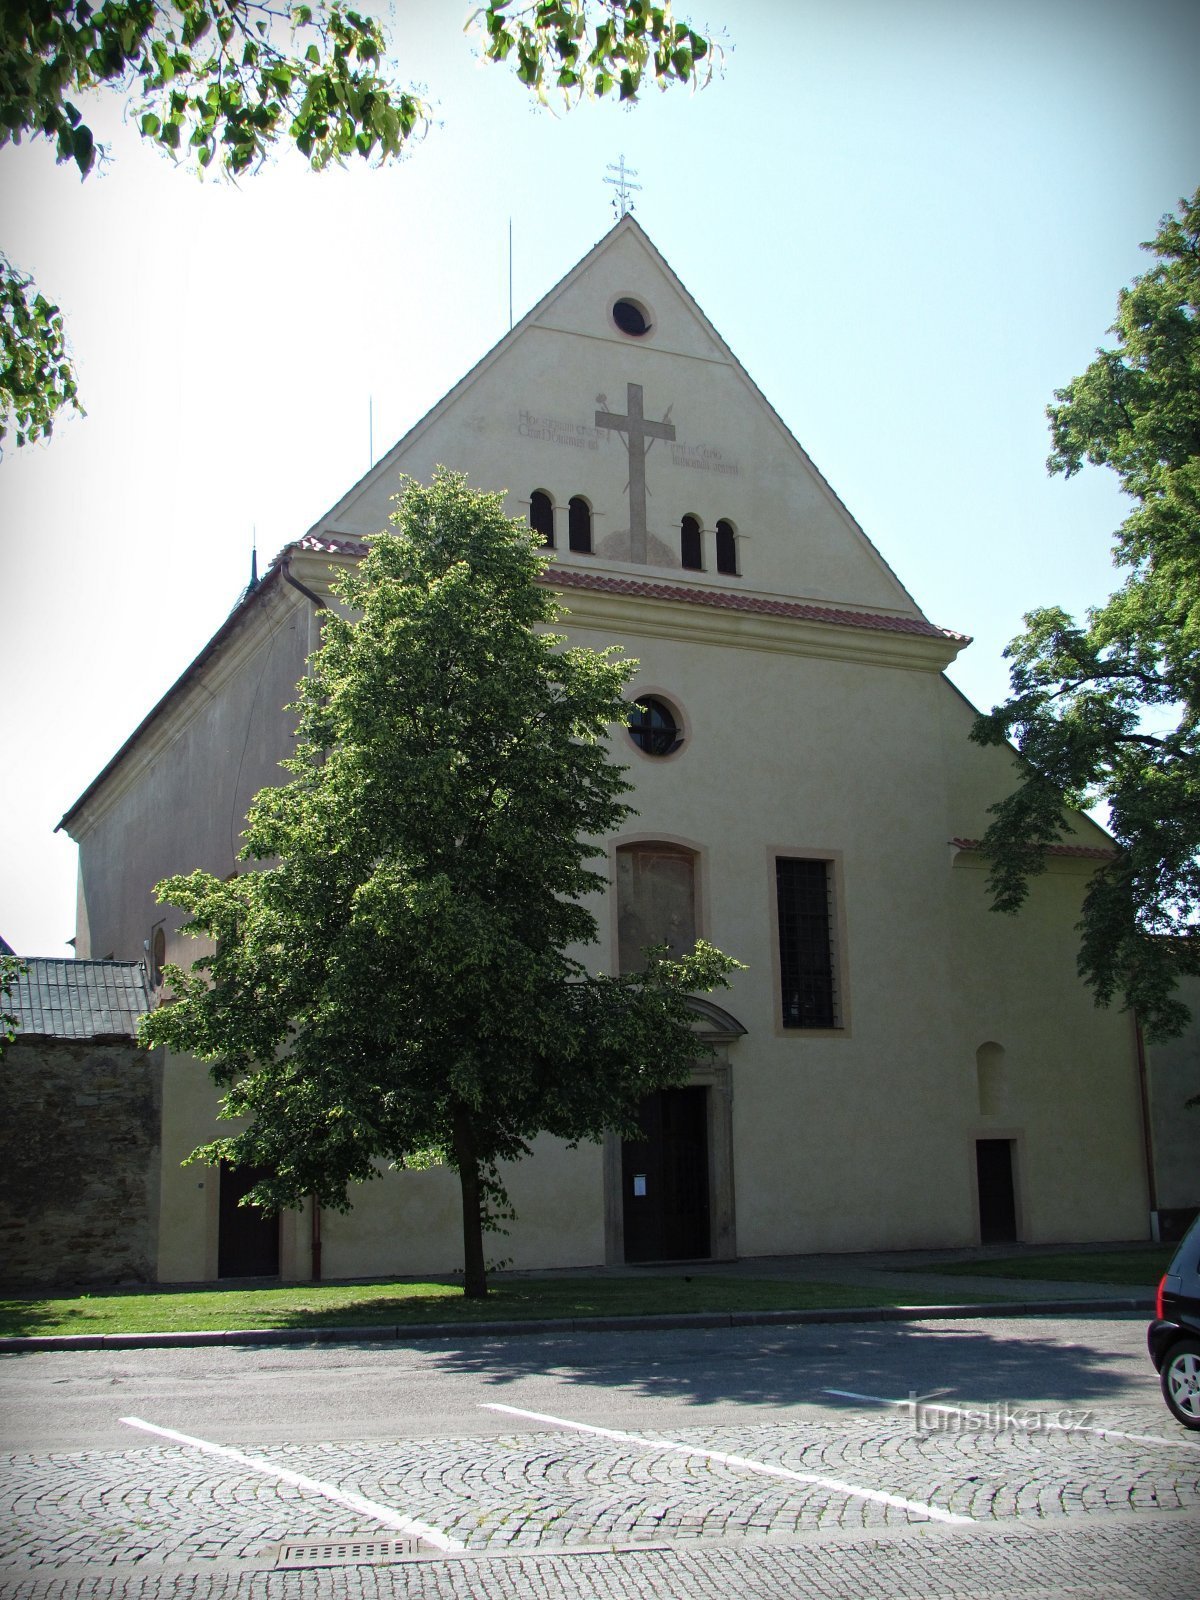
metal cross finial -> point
(621, 201)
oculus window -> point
(631, 318)
(654, 727)
(805, 895)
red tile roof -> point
(730, 600)
(332, 545)
(719, 599)
(1080, 852)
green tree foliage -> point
(396, 981)
(36, 378)
(595, 47)
(1107, 711)
(11, 968)
(220, 83)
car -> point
(1173, 1338)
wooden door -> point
(997, 1197)
(664, 1179)
(247, 1241)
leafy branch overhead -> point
(208, 79)
(219, 84)
(36, 376)
(1107, 712)
(591, 49)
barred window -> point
(805, 892)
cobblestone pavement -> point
(1053, 1511)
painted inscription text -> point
(551, 430)
(704, 457)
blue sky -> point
(909, 220)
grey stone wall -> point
(79, 1166)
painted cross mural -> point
(639, 435)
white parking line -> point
(762, 1468)
(354, 1502)
(1036, 1424)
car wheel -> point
(1181, 1382)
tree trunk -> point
(474, 1272)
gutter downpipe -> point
(1147, 1132)
(316, 1240)
(285, 568)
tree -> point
(393, 983)
(220, 83)
(11, 968)
(1107, 712)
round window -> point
(653, 727)
(631, 318)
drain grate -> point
(344, 1552)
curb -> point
(407, 1333)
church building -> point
(896, 1066)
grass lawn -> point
(326, 1305)
(1138, 1267)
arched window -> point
(656, 902)
(541, 516)
(726, 547)
(579, 525)
(990, 1077)
(691, 552)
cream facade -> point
(896, 1066)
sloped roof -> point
(55, 999)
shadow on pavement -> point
(974, 1362)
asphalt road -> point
(772, 1462)
(259, 1395)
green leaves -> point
(589, 48)
(218, 84)
(1108, 713)
(36, 376)
(11, 968)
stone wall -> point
(79, 1174)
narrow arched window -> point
(579, 525)
(691, 552)
(541, 516)
(726, 547)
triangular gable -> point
(525, 417)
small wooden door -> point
(664, 1179)
(247, 1241)
(997, 1197)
